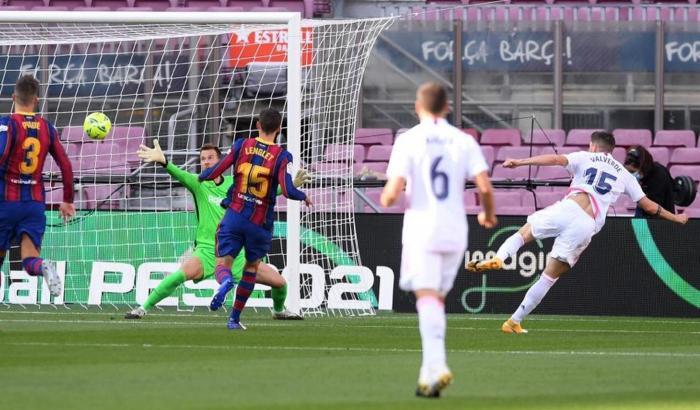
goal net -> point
(187, 84)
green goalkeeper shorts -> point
(207, 258)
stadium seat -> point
(509, 136)
(692, 171)
(692, 212)
(563, 150)
(129, 138)
(515, 152)
(379, 153)
(629, 137)
(500, 173)
(619, 154)
(49, 8)
(553, 173)
(473, 132)
(580, 137)
(377, 167)
(98, 158)
(674, 138)
(218, 9)
(371, 136)
(104, 196)
(330, 169)
(489, 155)
(685, 156)
(344, 153)
(4, 7)
(545, 199)
(545, 137)
(660, 155)
(329, 200)
(469, 197)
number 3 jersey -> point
(258, 170)
(435, 158)
(603, 178)
(25, 140)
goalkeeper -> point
(201, 264)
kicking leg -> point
(34, 265)
(508, 249)
(190, 270)
(554, 269)
(268, 275)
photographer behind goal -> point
(654, 178)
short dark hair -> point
(640, 158)
(270, 120)
(604, 140)
(433, 97)
(207, 147)
(26, 89)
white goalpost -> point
(187, 79)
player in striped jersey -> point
(259, 166)
(200, 265)
(25, 140)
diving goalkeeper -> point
(202, 263)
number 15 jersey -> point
(435, 158)
(603, 178)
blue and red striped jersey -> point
(259, 168)
(25, 140)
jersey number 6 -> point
(439, 180)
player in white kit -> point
(431, 161)
(598, 179)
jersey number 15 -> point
(601, 185)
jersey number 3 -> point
(255, 179)
(31, 147)
(601, 185)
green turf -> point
(85, 360)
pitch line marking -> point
(360, 349)
(220, 323)
(403, 316)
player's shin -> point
(279, 296)
(432, 323)
(533, 297)
(32, 265)
(510, 247)
(243, 291)
(165, 288)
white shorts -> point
(571, 225)
(424, 269)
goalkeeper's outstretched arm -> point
(156, 155)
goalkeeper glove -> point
(301, 178)
(154, 154)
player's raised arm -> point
(652, 208)
(156, 155)
(546, 160)
(66, 209)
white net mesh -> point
(185, 85)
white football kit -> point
(603, 179)
(435, 158)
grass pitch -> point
(96, 360)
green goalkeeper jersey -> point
(207, 201)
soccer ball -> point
(97, 125)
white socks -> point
(432, 323)
(533, 297)
(510, 246)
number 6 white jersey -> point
(435, 158)
(604, 179)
